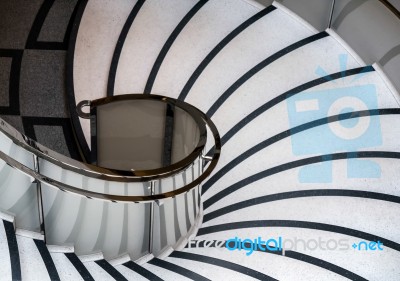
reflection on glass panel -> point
(143, 135)
(186, 135)
(130, 135)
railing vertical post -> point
(202, 171)
(202, 162)
(39, 197)
(331, 15)
(151, 230)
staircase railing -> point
(88, 206)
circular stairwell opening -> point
(144, 134)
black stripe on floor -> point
(142, 271)
(297, 256)
(120, 44)
(13, 107)
(214, 52)
(77, 129)
(32, 41)
(300, 194)
(171, 39)
(301, 128)
(71, 24)
(79, 266)
(48, 261)
(326, 265)
(329, 78)
(295, 164)
(29, 124)
(111, 270)
(13, 250)
(245, 77)
(222, 263)
(299, 224)
(178, 269)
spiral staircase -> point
(246, 65)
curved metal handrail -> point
(170, 169)
(39, 150)
(96, 171)
(79, 110)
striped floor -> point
(295, 163)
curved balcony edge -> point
(41, 151)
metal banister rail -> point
(145, 175)
(110, 197)
(104, 173)
(63, 185)
(101, 173)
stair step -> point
(65, 268)
(142, 271)
(389, 167)
(79, 266)
(111, 270)
(97, 272)
(130, 274)
(98, 34)
(153, 24)
(170, 271)
(271, 33)
(340, 252)
(196, 40)
(32, 265)
(257, 261)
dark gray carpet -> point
(16, 20)
(34, 38)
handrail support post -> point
(206, 158)
(39, 197)
(151, 225)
